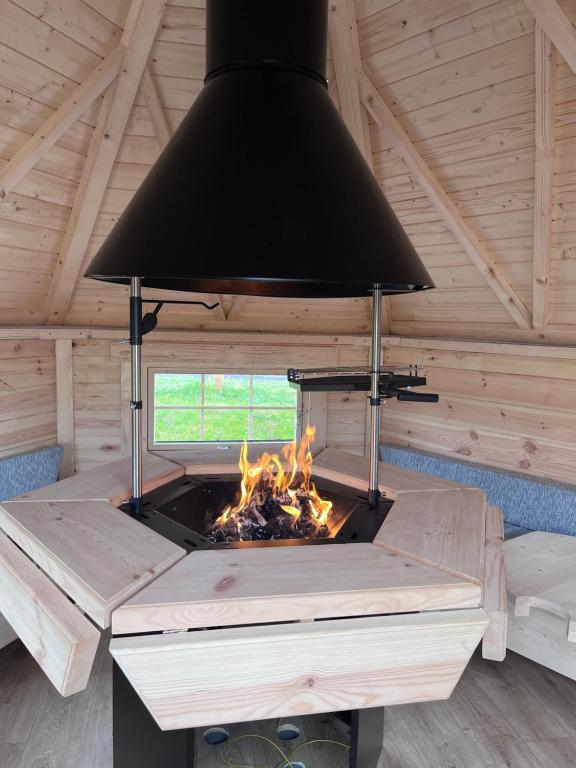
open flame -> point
(278, 499)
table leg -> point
(366, 737)
(138, 741)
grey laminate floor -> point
(516, 715)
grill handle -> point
(418, 397)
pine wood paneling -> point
(98, 404)
(506, 405)
(27, 396)
(501, 405)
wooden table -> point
(340, 626)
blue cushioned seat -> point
(528, 504)
(28, 471)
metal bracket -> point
(150, 319)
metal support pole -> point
(375, 400)
(136, 395)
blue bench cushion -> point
(28, 471)
(535, 505)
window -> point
(221, 408)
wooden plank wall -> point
(509, 406)
(99, 405)
(27, 395)
(504, 405)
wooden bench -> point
(542, 599)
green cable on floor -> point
(287, 761)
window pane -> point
(177, 389)
(222, 426)
(176, 426)
(273, 425)
(273, 390)
(226, 389)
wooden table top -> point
(428, 555)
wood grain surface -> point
(353, 470)
(494, 596)
(199, 678)
(97, 554)
(445, 529)
(108, 482)
(542, 574)
(254, 586)
(61, 640)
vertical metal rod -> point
(373, 490)
(136, 393)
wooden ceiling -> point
(466, 110)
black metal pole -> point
(136, 392)
(375, 399)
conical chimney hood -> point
(262, 190)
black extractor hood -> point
(262, 189)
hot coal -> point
(263, 519)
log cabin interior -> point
(287, 383)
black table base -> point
(138, 741)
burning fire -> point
(278, 500)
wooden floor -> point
(511, 715)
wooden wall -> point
(27, 395)
(102, 371)
(505, 405)
(502, 404)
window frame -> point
(309, 410)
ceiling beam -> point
(558, 26)
(544, 173)
(155, 109)
(345, 45)
(347, 66)
(138, 36)
(61, 120)
(462, 232)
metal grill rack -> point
(394, 382)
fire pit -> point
(386, 609)
(272, 501)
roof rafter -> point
(138, 37)
(61, 120)
(462, 232)
(558, 26)
(155, 109)
(544, 172)
(345, 46)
